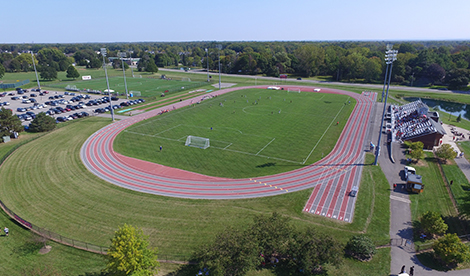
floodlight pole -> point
(124, 73)
(220, 84)
(103, 53)
(385, 82)
(34, 64)
(390, 57)
(207, 52)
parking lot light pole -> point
(123, 55)
(34, 64)
(390, 57)
(103, 53)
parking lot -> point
(63, 106)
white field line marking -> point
(166, 130)
(228, 146)
(265, 146)
(332, 121)
(400, 199)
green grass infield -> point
(252, 132)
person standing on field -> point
(7, 231)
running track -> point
(332, 177)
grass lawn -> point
(250, 128)
(460, 187)
(434, 196)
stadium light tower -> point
(390, 57)
(103, 53)
(123, 55)
(220, 48)
(207, 52)
(34, 64)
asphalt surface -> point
(338, 171)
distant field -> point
(252, 132)
(147, 86)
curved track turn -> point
(337, 171)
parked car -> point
(21, 109)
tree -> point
(445, 152)
(129, 253)
(450, 250)
(48, 73)
(433, 224)
(458, 78)
(309, 252)
(151, 67)
(2, 71)
(416, 149)
(72, 72)
(232, 253)
(435, 72)
(360, 247)
(9, 123)
(459, 118)
(42, 123)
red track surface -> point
(332, 177)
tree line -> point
(418, 63)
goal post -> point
(291, 90)
(198, 142)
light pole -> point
(103, 53)
(220, 48)
(207, 52)
(34, 64)
(390, 57)
(123, 55)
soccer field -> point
(147, 86)
(252, 133)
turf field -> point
(147, 86)
(252, 132)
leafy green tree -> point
(445, 152)
(360, 247)
(94, 63)
(232, 253)
(151, 67)
(310, 59)
(42, 123)
(432, 223)
(9, 123)
(458, 78)
(2, 71)
(450, 250)
(129, 253)
(310, 252)
(372, 69)
(72, 72)
(416, 149)
(459, 118)
(48, 73)
(435, 72)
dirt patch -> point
(46, 249)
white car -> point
(274, 88)
(26, 101)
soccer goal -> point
(292, 90)
(185, 79)
(198, 142)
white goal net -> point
(293, 90)
(185, 79)
(198, 142)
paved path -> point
(342, 167)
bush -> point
(360, 247)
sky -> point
(59, 21)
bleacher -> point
(411, 121)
